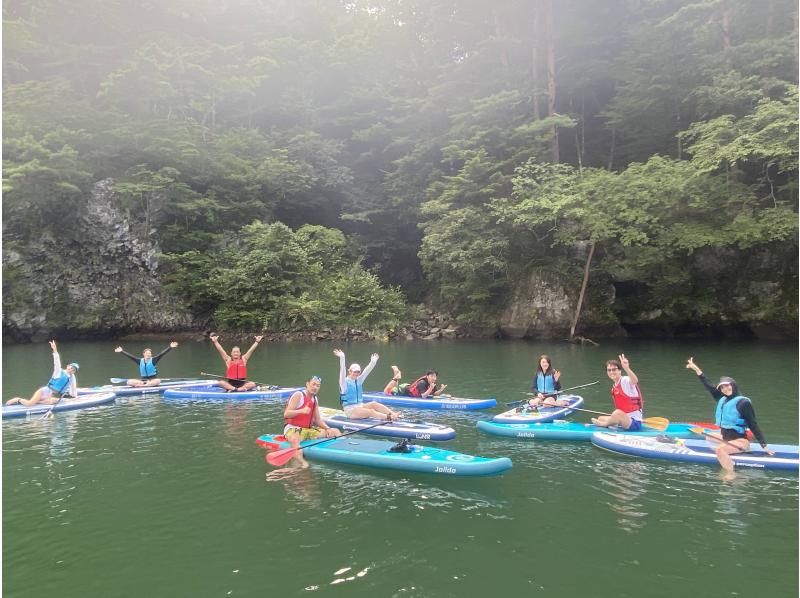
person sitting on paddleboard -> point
(236, 366)
(147, 365)
(351, 387)
(546, 384)
(423, 387)
(61, 384)
(303, 420)
(628, 402)
(735, 415)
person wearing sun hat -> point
(62, 383)
(734, 415)
(351, 387)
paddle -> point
(278, 458)
(269, 386)
(702, 432)
(552, 394)
(50, 411)
(123, 380)
(659, 423)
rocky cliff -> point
(103, 284)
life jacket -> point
(413, 390)
(353, 393)
(728, 415)
(304, 419)
(147, 369)
(545, 383)
(237, 370)
(59, 383)
(625, 402)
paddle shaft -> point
(237, 379)
(50, 411)
(702, 431)
(278, 455)
(121, 380)
(552, 394)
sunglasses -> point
(316, 378)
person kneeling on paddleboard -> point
(303, 421)
(734, 415)
(423, 387)
(628, 402)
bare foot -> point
(728, 476)
(13, 401)
(397, 373)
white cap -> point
(355, 366)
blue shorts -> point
(635, 426)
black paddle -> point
(268, 386)
(278, 458)
(552, 394)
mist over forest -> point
(306, 164)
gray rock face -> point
(539, 307)
(104, 283)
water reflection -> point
(626, 482)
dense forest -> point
(296, 164)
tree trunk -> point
(535, 61)
(583, 292)
(551, 74)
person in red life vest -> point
(628, 403)
(148, 372)
(61, 384)
(423, 387)
(236, 366)
(734, 415)
(303, 421)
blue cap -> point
(74, 365)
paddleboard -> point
(441, 402)
(696, 451)
(217, 393)
(415, 430)
(375, 453)
(123, 390)
(66, 404)
(570, 430)
(529, 415)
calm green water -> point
(156, 498)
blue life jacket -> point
(59, 383)
(147, 368)
(353, 394)
(545, 383)
(728, 415)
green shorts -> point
(305, 433)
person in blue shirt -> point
(734, 415)
(61, 384)
(148, 372)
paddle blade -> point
(659, 423)
(281, 457)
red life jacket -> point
(413, 390)
(237, 370)
(304, 419)
(625, 402)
